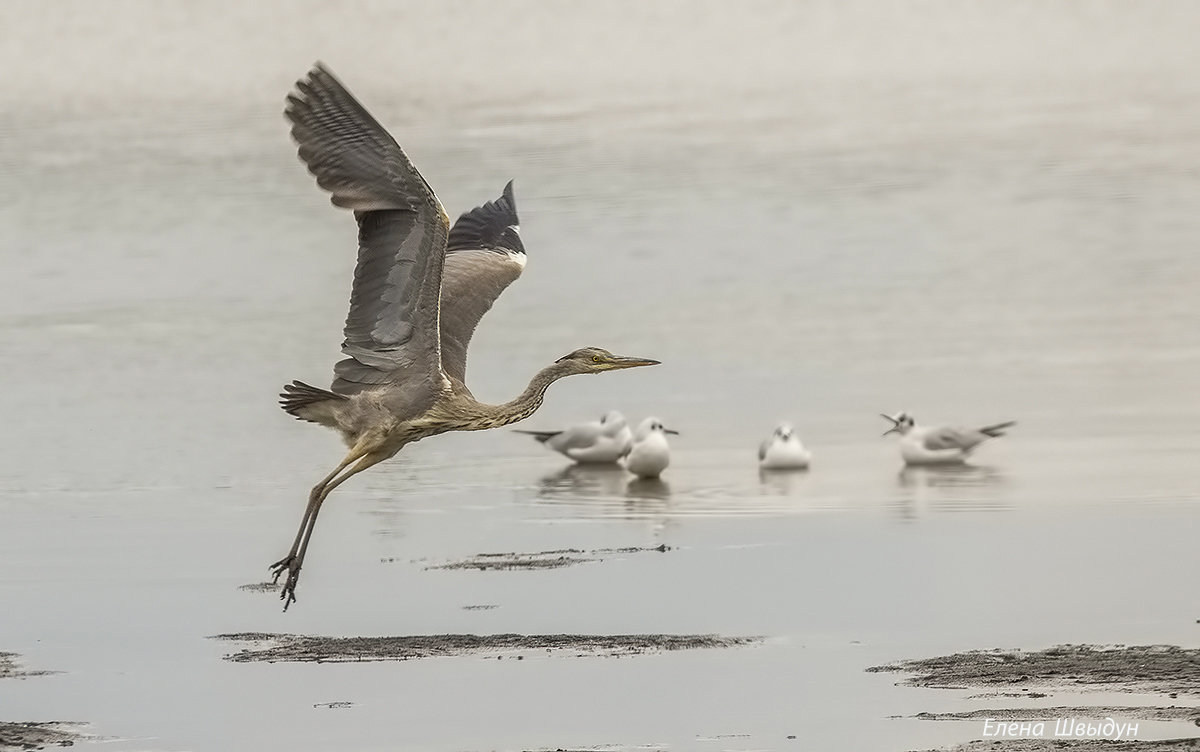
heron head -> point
(784, 431)
(902, 423)
(596, 359)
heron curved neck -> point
(531, 399)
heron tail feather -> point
(307, 402)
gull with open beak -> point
(939, 445)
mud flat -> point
(1151, 669)
(555, 559)
(11, 669)
(514, 561)
(260, 587)
(27, 736)
(31, 735)
(304, 648)
(1077, 745)
(1148, 669)
(1137, 712)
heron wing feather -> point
(484, 256)
(392, 327)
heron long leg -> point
(296, 561)
(278, 567)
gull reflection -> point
(782, 482)
(948, 476)
(584, 481)
(648, 489)
(950, 488)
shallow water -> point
(813, 213)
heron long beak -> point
(622, 362)
(671, 431)
(893, 429)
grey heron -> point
(939, 445)
(420, 288)
(783, 450)
(596, 442)
(651, 452)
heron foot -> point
(291, 565)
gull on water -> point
(939, 445)
(601, 441)
(783, 451)
(650, 453)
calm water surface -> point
(807, 212)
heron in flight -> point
(420, 288)
(941, 445)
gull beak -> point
(895, 424)
(670, 431)
(621, 362)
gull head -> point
(784, 432)
(652, 425)
(902, 423)
(613, 419)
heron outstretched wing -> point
(484, 255)
(392, 327)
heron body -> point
(939, 445)
(597, 442)
(651, 452)
(783, 451)
(420, 289)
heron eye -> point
(595, 358)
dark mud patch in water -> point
(1074, 745)
(11, 669)
(26, 736)
(260, 587)
(1154, 669)
(563, 557)
(31, 735)
(1146, 669)
(286, 647)
(1123, 712)
(509, 561)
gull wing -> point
(964, 439)
(484, 255)
(392, 327)
(580, 436)
(952, 438)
